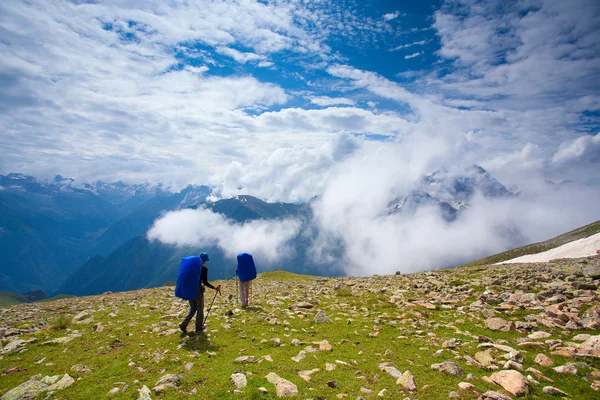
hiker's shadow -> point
(197, 342)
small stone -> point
(543, 360)
(539, 335)
(499, 324)
(243, 359)
(239, 380)
(491, 395)
(553, 391)
(407, 380)
(303, 304)
(63, 383)
(114, 391)
(332, 384)
(467, 386)
(262, 390)
(453, 395)
(98, 328)
(484, 358)
(322, 318)
(513, 365)
(144, 393)
(80, 368)
(566, 369)
(449, 368)
(330, 367)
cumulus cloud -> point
(583, 149)
(268, 240)
(350, 211)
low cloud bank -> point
(352, 229)
(268, 240)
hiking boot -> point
(182, 327)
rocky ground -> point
(491, 332)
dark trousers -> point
(196, 307)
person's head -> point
(204, 258)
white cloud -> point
(404, 46)
(583, 149)
(238, 55)
(331, 101)
(413, 55)
(265, 64)
(391, 16)
(267, 240)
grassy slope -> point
(579, 233)
(129, 337)
(9, 298)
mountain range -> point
(50, 228)
(66, 237)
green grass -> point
(364, 325)
(579, 233)
(61, 322)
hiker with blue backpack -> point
(246, 272)
(193, 276)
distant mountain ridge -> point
(80, 238)
(450, 193)
(50, 228)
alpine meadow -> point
(313, 199)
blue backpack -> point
(246, 269)
(188, 278)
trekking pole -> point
(210, 308)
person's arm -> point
(204, 278)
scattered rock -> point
(283, 387)
(80, 368)
(591, 346)
(566, 369)
(321, 318)
(553, 391)
(63, 383)
(144, 393)
(491, 395)
(512, 381)
(499, 324)
(302, 304)
(449, 368)
(543, 360)
(239, 380)
(407, 381)
(467, 386)
(244, 359)
(27, 390)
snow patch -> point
(579, 248)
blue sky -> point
(270, 97)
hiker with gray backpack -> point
(192, 277)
